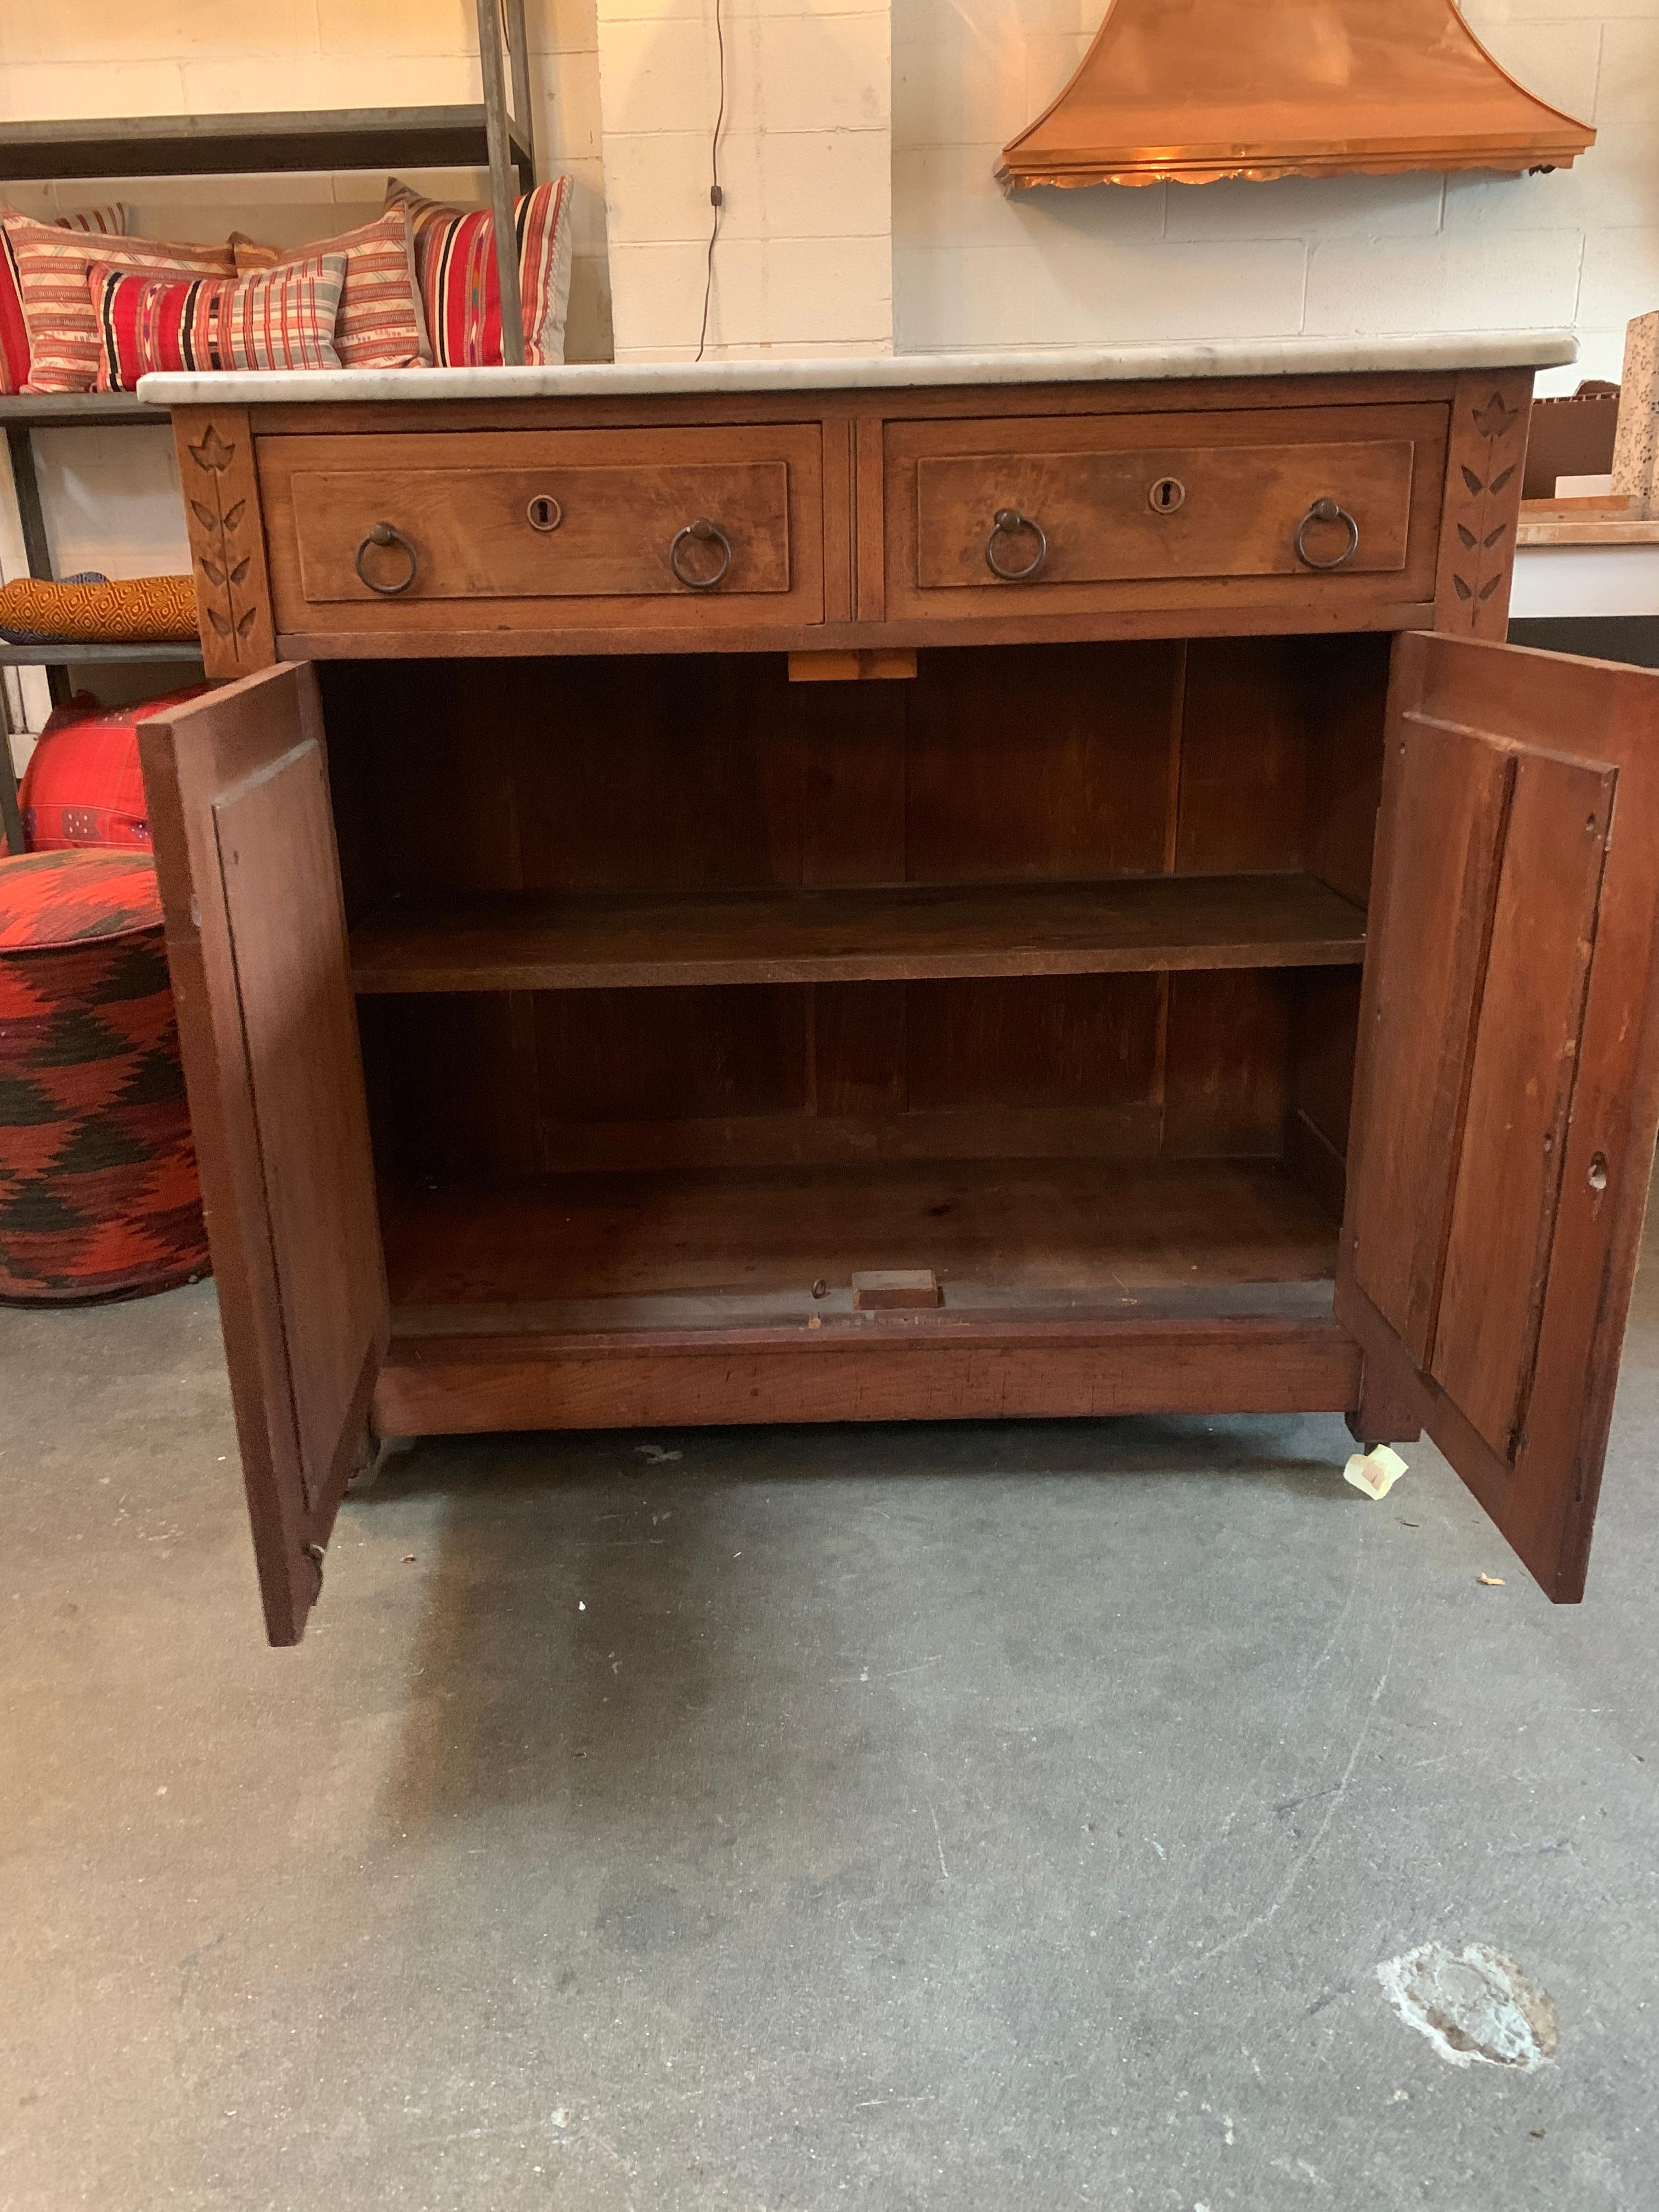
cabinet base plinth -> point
(450, 1385)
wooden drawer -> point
(533, 530)
(1167, 510)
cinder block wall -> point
(1351, 255)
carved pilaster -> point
(1484, 475)
(227, 538)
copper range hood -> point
(1197, 90)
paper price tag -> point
(1375, 1472)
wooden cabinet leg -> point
(1389, 1412)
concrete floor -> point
(975, 1818)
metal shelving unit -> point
(496, 133)
(65, 653)
(243, 145)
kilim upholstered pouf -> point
(97, 1189)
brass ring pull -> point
(1008, 523)
(383, 534)
(1327, 510)
(706, 533)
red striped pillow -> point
(280, 318)
(460, 291)
(52, 270)
(380, 324)
(107, 221)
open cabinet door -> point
(1507, 1094)
(238, 792)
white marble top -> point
(1051, 365)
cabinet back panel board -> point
(1066, 763)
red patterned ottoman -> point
(98, 1190)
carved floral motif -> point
(1488, 448)
(224, 559)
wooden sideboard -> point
(905, 904)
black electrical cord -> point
(716, 196)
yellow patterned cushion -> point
(139, 607)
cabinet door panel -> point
(1422, 989)
(238, 790)
(1522, 1077)
(1507, 1096)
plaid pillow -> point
(380, 324)
(281, 319)
(106, 221)
(455, 263)
(53, 267)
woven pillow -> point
(106, 221)
(455, 263)
(380, 324)
(281, 318)
(53, 268)
(142, 606)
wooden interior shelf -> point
(530, 941)
(741, 1248)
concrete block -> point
(361, 28)
(822, 72)
(1557, 60)
(1496, 282)
(1627, 90)
(656, 76)
(656, 294)
(828, 290)
(1621, 275)
(1306, 208)
(815, 183)
(1085, 292)
(969, 91)
(561, 26)
(46, 92)
(656, 185)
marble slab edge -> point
(1054, 365)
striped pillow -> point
(281, 319)
(380, 324)
(107, 221)
(455, 263)
(53, 267)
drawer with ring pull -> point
(1081, 514)
(467, 531)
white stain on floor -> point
(1475, 2006)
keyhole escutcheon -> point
(1167, 496)
(543, 512)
